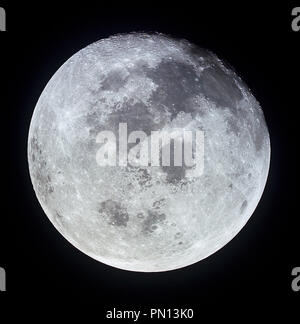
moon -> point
(147, 218)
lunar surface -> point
(147, 218)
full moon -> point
(147, 218)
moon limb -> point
(147, 219)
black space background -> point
(254, 269)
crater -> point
(178, 235)
(144, 177)
(58, 217)
(244, 205)
(158, 203)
